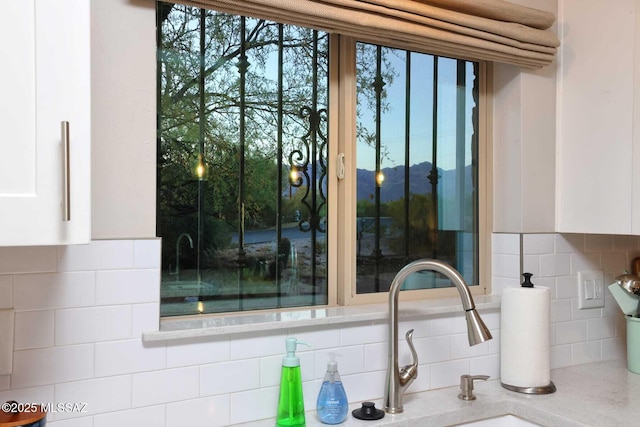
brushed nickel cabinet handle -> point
(66, 190)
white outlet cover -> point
(590, 289)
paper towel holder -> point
(546, 389)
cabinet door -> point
(45, 76)
(595, 117)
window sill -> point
(215, 325)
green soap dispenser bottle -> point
(291, 402)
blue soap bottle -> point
(332, 404)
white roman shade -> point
(490, 30)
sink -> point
(501, 421)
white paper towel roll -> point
(524, 337)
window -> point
(416, 166)
(247, 117)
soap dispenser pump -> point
(332, 404)
(291, 401)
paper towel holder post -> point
(399, 379)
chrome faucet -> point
(399, 379)
(178, 240)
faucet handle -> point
(466, 386)
(410, 372)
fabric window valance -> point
(489, 30)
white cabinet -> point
(598, 110)
(45, 78)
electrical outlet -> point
(590, 289)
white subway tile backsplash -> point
(366, 386)
(4, 382)
(197, 351)
(270, 371)
(430, 350)
(127, 286)
(487, 365)
(560, 310)
(72, 422)
(586, 352)
(229, 377)
(263, 403)
(585, 262)
(97, 394)
(60, 290)
(167, 385)
(491, 318)
(307, 365)
(531, 264)
(363, 334)
(601, 328)
(318, 337)
(504, 265)
(33, 329)
(505, 243)
(500, 283)
(99, 255)
(569, 243)
(571, 332)
(615, 262)
(92, 324)
(566, 287)
(144, 318)
(52, 365)
(376, 356)
(149, 416)
(27, 259)
(146, 253)
(611, 307)
(6, 291)
(258, 345)
(494, 343)
(598, 243)
(626, 243)
(613, 349)
(128, 356)
(555, 265)
(560, 356)
(448, 325)
(447, 374)
(538, 244)
(210, 411)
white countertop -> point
(601, 394)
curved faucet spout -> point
(398, 380)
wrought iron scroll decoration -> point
(301, 158)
